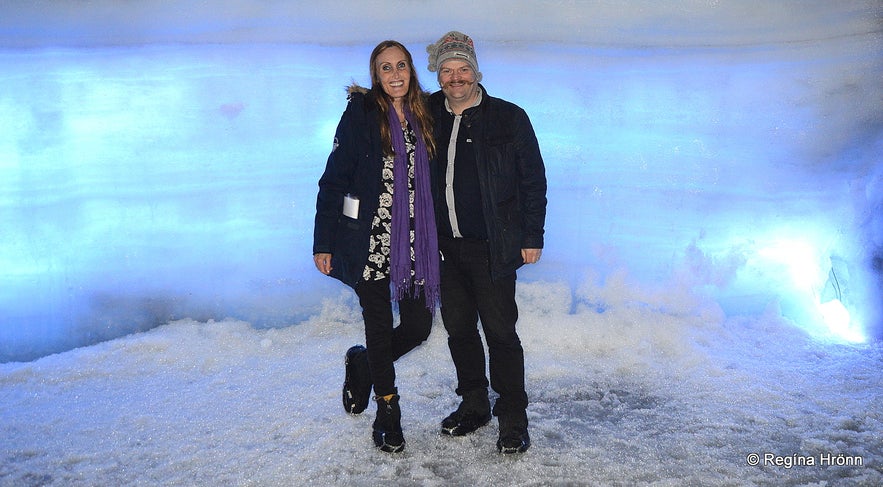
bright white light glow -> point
(837, 318)
(799, 259)
(808, 271)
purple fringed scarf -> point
(425, 236)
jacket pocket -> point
(499, 154)
(506, 207)
(348, 232)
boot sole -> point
(351, 403)
(508, 450)
(512, 450)
(380, 442)
(460, 430)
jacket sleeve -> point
(532, 183)
(338, 176)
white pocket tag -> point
(351, 206)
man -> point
(489, 186)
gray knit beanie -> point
(453, 45)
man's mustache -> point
(467, 83)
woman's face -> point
(394, 72)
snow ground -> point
(662, 391)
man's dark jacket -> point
(511, 177)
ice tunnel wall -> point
(151, 180)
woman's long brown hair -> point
(416, 100)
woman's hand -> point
(323, 262)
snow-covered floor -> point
(625, 391)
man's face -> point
(457, 80)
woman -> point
(375, 229)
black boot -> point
(357, 380)
(388, 425)
(473, 413)
(513, 433)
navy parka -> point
(353, 167)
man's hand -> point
(531, 256)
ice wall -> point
(140, 185)
(153, 181)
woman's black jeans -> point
(386, 344)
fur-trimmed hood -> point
(355, 88)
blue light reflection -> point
(141, 185)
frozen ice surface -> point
(634, 395)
